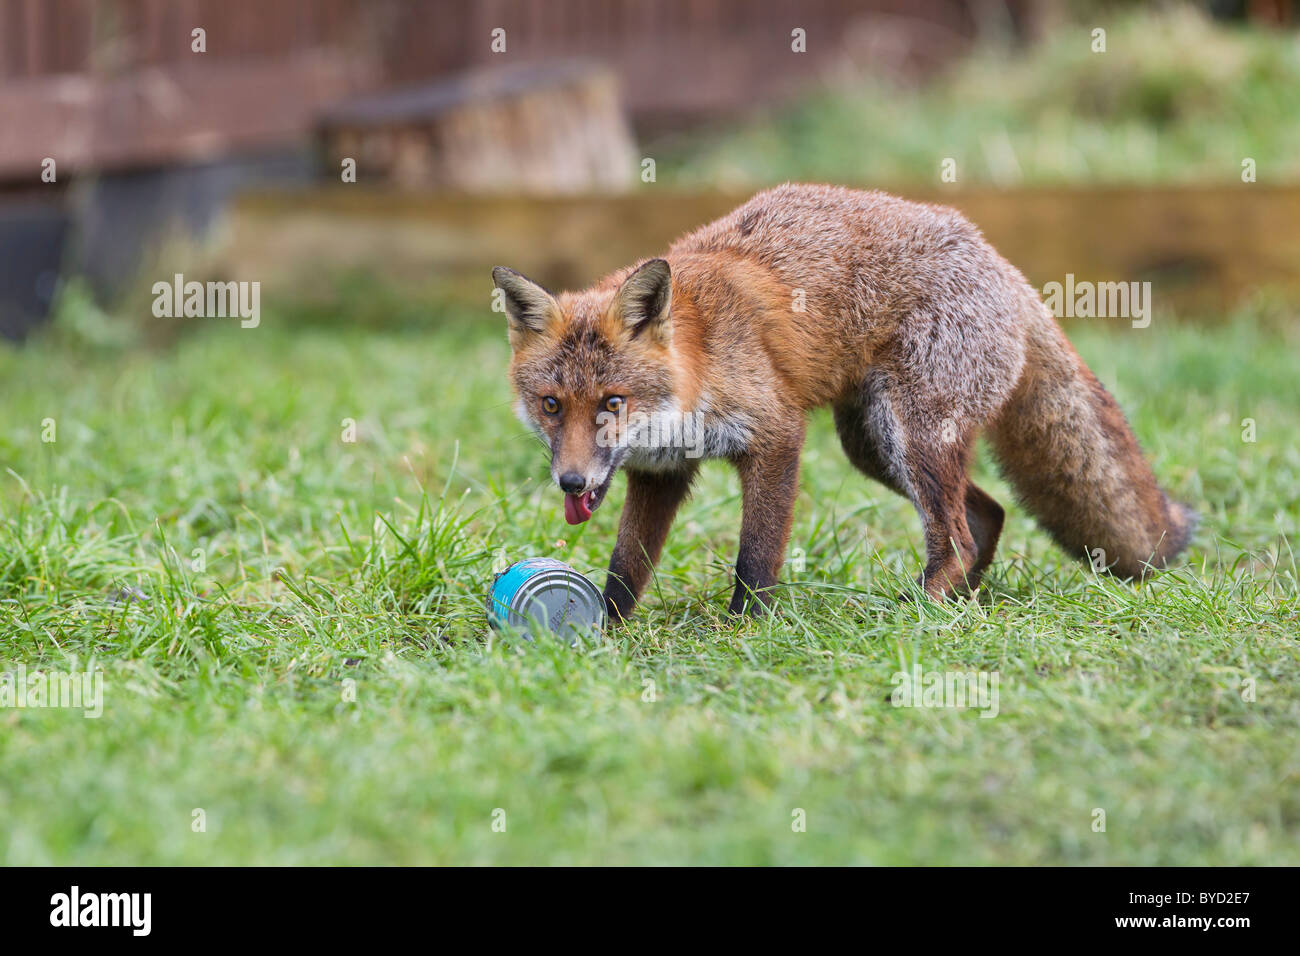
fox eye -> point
(550, 405)
(614, 403)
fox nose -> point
(571, 482)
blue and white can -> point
(545, 596)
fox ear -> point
(529, 307)
(645, 298)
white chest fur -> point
(671, 439)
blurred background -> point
(368, 162)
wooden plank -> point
(163, 116)
(1202, 248)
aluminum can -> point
(542, 596)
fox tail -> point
(1074, 463)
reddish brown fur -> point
(1063, 441)
(912, 328)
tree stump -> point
(553, 128)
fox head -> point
(586, 367)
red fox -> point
(900, 317)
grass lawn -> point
(308, 663)
(1173, 98)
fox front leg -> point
(652, 500)
(769, 481)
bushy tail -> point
(1074, 463)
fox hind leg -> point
(984, 518)
(962, 522)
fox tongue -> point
(577, 508)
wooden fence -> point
(85, 79)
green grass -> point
(326, 563)
(1174, 98)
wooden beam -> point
(1202, 248)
